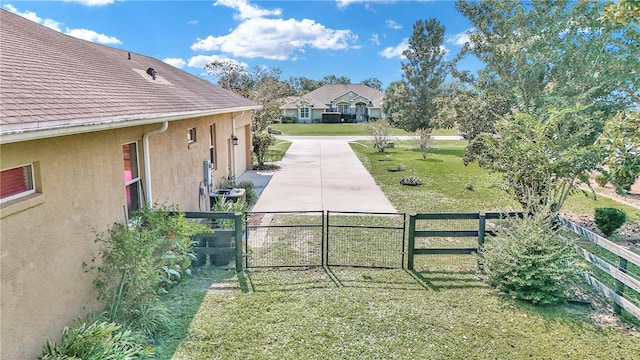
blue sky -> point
(358, 39)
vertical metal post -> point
(622, 266)
(325, 238)
(412, 241)
(238, 230)
(404, 237)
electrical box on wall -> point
(206, 168)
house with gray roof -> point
(88, 134)
(335, 103)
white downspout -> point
(147, 161)
(233, 147)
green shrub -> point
(250, 191)
(411, 180)
(608, 220)
(289, 119)
(261, 143)
(601, 179)
(528, 260)
(99, 340)
(141, 260)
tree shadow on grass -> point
(450, 152)
(448, 279)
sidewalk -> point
(318, 173)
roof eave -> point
(41, 130)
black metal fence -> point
(315, 238)
(288, 239)
(365, 239)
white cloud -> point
(375, 39)
(246, 10)
(199, 61)
(395, 51)
(92, 36)
(461, 38)
(176, 62)
(84, 34)
(393, 25)
(276, 39)
(343, 4)
(92, 2)
(193, 22)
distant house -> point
(88, 134)
(335, 103)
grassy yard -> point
(276, 152)
(374, 314)
(447, 182)
(340, 130)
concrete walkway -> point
(318, 173)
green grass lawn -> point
(373, 314)
(340, 130)
(276, 152)
(446, 179)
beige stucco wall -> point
(45, 238)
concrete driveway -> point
(319, 173)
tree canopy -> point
(409, 103)
(552, 68)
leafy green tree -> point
(303, 85)
(621, 140)
(231, 76)
(424, 73)
(372, 83)
(380, 131)
(397, 106)
(261, 142)
(334, 80)
(270, 93)
(542, 156)
(546, 61)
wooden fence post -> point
(412, 241)
(238, 226)
(622, 266)
(482, 224)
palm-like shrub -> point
(96, 341)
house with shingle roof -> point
(88, 134)
(335, 103)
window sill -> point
(192, 145)
(17, 205)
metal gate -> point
(283, 239)
(315, 238)
(365, 239)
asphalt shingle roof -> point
(48, 79)
(326, 93)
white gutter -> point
(147, 161)
(11, 133)
(233, 147)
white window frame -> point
(31, 184)
(344, 108)
(137, 180)
(305, 112)
(192, 135)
